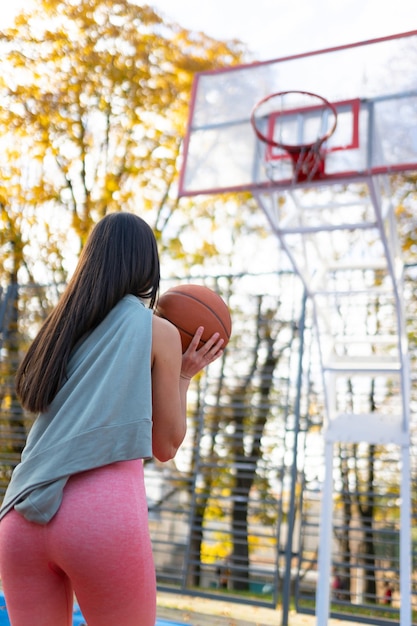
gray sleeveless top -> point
(102, 413)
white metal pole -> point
(405, 539)
(325, 544)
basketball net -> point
(307, 162)
(307, 159)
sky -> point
(278, 28)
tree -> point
(100, 92)
(235, 432)
(93, 104)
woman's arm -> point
(171, 375)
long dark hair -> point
(119, 258)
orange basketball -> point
(190, 306)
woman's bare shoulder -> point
(164, 331)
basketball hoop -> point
(296, 124)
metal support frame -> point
(311, 263)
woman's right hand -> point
(195, 359)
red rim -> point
(295, 148)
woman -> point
(109, 382)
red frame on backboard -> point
(375, 80)
(272, 153)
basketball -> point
(190, 306)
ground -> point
(195, 611)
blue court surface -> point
(78, 618)
(164, 622)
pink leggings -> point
(97, 546)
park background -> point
(94, 103)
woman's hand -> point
(194, 360)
